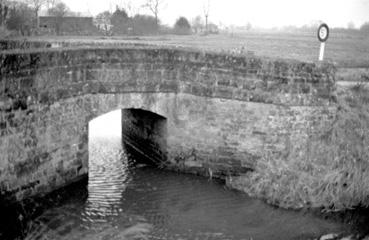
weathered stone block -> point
(200, 90)
(223, 111)
(222, 92)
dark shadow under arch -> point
(144, 136)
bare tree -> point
(206, 9)
(197, 24)
(154, 6)
(131, 8)
(59, 11)
(36, 5)
(20, 18)
(4, 11)
(51, 4)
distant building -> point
(68, 25)
(103, 25)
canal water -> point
(123, 200)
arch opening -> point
(118, 142)
(141, 134)
(108, 169)
(144, 136)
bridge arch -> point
(222, 111)
(133, 106)
(143, 131)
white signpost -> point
(323, 34)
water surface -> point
(123, 201)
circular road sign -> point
(323, 32)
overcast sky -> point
(262, 13)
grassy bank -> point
(335, 173)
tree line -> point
(22, 17)
(120, 23)
(127, 20)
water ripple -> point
(127, 202)
(108, 179)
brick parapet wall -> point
(50, 75)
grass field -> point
(342, 49)
(350, 53)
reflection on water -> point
(108, 178)
(126, 202)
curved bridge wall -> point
(223, 112)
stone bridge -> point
(205, 111)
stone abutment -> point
(214, 111)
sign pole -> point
(321, 53)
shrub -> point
(144, 25)
(334, 172)
(120, 21)
(182, 26)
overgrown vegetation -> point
(334, 174)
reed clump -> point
(334, 172)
